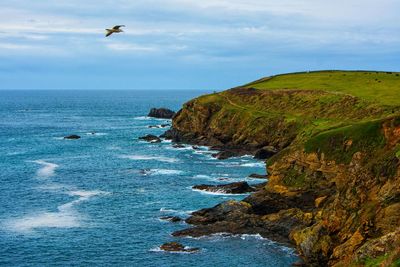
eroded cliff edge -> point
(334, 183)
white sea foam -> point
(239, 164)
(254, 164)
(165, 172)
(61, 219)
(177, 212)
(65, 217)
(47, 170)
(141, 157)
(202, 176)
(158, 249)
(96, 134)
(146, 118)
(217, 192)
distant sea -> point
(98, 200)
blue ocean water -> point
(86, 202)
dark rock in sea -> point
(265, 152)
(162, 113)
(144, 171)
(232, 188)
(195, 147)
(224, 154)
(258, 176)
(238, 218)
(177, 247)
(150, 138)
(178, 146)
(72, 137)
(171, 218)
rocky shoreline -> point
(333, 188)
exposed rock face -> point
(72, 137)
(232, 188)
(150, 138)
(177, 247)
(332, 192)
(161, 113)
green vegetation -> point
(341, 143)
(375, 262)
(294, 179)
(382, 87)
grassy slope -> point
(383, 87)
(322, 105)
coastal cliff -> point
(333, 186)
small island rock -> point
(177, 247)
(161, 113)
(231, 188)
(72, 137)
(150, 138)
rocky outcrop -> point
(334, 171)
(171, 218)
(232, 188)
(177, 247)
(72, 137)
(150, 138)
(161, 113)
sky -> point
(189, 44)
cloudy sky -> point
(189, 44)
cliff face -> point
(334, 185)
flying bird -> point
(115, 29)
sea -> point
(97, 201)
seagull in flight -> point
(115, 29)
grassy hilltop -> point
(382, 87)
(336, 137)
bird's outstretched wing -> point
(109, 33)
(116, 27)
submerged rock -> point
(150, 138)
(178, 146)
(72, 137)
(232, 188)
(171, 218)
(177, 247)
(162, 113)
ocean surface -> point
(88, 202)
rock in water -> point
(72, 137)
(177, 247)
(171, 218)
(232, 188)
(162, 113)
(178, 146)
(224, 155)
(150, 138)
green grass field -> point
(380, 87)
